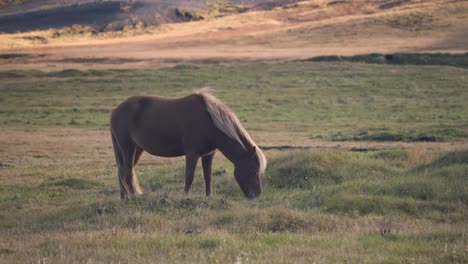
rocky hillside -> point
(26, 15)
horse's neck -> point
(234, 151)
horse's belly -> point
(166, 153)
(166, 130)
(163, 147)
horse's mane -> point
(226, 121)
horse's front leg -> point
(190, 166)
(207, 161)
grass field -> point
(339, 101)
(401, 198)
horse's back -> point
(161, 125)
(143, 109)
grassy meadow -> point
(401, 199)
(338, 101)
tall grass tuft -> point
(310, 169)
(380, 183)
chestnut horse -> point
(195, 126)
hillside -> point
(23, 16)
(290, 31)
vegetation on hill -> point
(5, 3)
(456, 60)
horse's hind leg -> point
(138, 153)
(129, 152)
(124, 189)
(129, 170)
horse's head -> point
(248, 171)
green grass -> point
(59, 198)
(366, 183)
(331, 221)
(309, 170)
(337, 101)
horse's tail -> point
(117, 152)
(124, 188)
